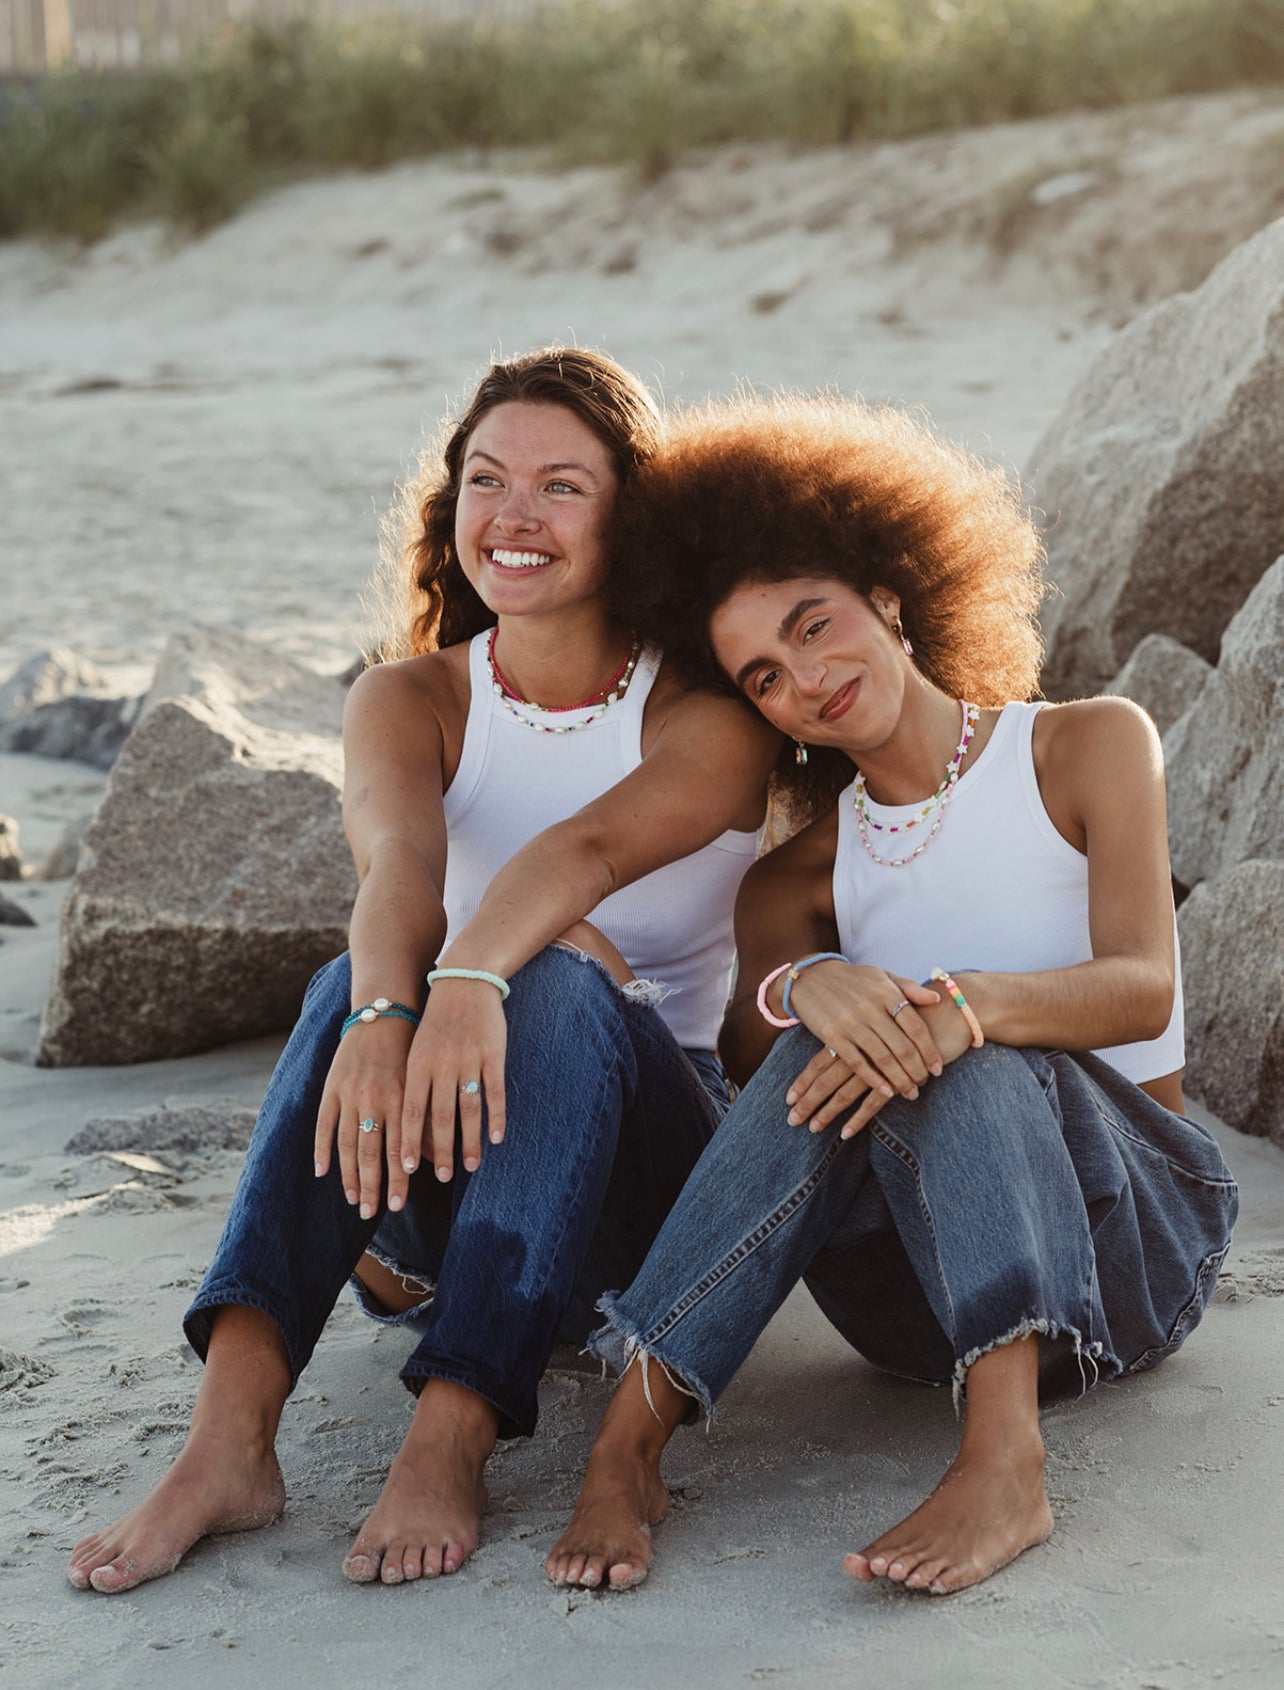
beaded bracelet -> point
(380, 1006)
(763, 1010)
(795, 969)
(968, 1013)
(497, 981)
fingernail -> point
(816, 1126)
(848, 1132)
(791, 1097)
(885, 1089)
(443, 1174)
(912, 1093)
(794, 1118)
(394, 1202)
(317, 1169)
(351, 1196)
(470, 1162)
(497, 1138)
(366, 1211)
(410, 1164)
(937, 1070)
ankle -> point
(447, 1409)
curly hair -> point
(427, 600)
(771, 489)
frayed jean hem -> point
(1088, 1355)
(617, 1348)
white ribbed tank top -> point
(998, 888)
(673, 926)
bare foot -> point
(219, 1483)
(609, 1539)
(983, 1513)
(428, 1515)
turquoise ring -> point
(470, 1088)
(369, 1125)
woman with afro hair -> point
(957, 1023)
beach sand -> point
(208, 432)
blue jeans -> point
(606, 1118)
(1024, 1191)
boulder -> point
(1232, 947)
(13, 915)
(10, 855)
(1225, 792)
(1164, 677)
(60, 705)
(1163, 476)
(215, 878)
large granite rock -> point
(58, 704)
(1163, 476)
(1164, 677)
(215, 878)
(1232, 947)
(1225, 756)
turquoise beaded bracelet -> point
(372, 1012)
(497, 981)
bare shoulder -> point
(415, 694)
(675, 709)
(1098, 733)
(807, 856)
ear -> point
(886, 603)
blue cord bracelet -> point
(796, 970)
(373, 1011)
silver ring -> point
(903, 1004)
(470, 1088)
(832, 1052)
(369, 1125)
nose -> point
(514, 515)
(809, 674)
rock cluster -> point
(1162, 479)
(215, 878)
(60, 705)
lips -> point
(840, 702)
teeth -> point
(521, 560)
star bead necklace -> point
(610, 694)
(935, 806)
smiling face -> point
(816, 658)
(532, 520)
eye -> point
(483, 478)
(764, 681)
(562, 487)
(814, 628)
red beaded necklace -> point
(630, 657)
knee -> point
(989, 1091)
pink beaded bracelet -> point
(965, 1008)
(763, 1010)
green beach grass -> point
(586, 82)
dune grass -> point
(589, 82)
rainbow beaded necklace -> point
(935, 806)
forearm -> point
(1108, 1001)
(398, 925)
(544, 889)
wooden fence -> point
(40, 35)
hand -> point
(827, 1088)
(849, 1007)
(366, 1082)
(462, 1039)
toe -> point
(390, 1569)
(412, 1563)
(114, 1577)
(361, 1567)
(858, 1567)
(627, 1575)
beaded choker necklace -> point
(935, 806)
(610, 694)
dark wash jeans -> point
(607, 1116)
(1024, 1191)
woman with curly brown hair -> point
(958, 1021)
(549, 824)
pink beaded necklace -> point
(935, 806)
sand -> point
(208, 431)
